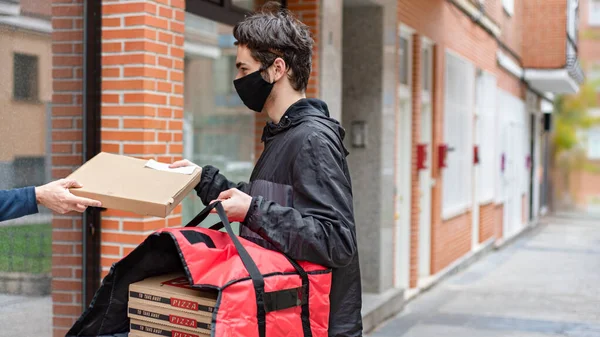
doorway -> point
(403, 161)
(425, 179)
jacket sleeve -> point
(319, 228)
(17, 203)
(212, 183)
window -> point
(426, 67)
(25, 77)
(486, 109)
(404, 60)
(245, 4)
(509, 6)
(458, 108)
(219, 129)
(593, 143)
(594, 19)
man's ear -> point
(280, 68)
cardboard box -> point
(126, 183)
(172, 291)
(175, 319)
(146, 329)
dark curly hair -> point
(273, 32)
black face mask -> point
(253, 90)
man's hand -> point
(236, 204)
(56, 196)
(184, 163)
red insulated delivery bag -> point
(261, 293)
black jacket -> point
(302, 203)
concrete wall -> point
(362, 82)
(368, 95)
(330, 42)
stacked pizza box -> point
(166, 305)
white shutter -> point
(458, 120)
(487, 145)
(467, 110)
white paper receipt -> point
(153, 164)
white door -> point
(514, 177)
(403, 164)
(475, 188)
(425, 181)
(477, 126)
(512, 186)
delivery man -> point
(299, 198)
(20, 202)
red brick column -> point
(415, 198)
(67, 61)
(438, 139)
(142, 102)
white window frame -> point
(426, 93)
(458, 127)
(405, 89)
(509, 6)
(594, 13)
(593, 143)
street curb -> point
(391, 303)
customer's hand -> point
(236, 204)
(184, 163)
(57, 197)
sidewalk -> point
(25, 316)
(544, 284)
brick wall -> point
(589, 38)
(511, 25)
(142, 103)
(453, 240)
(487, 222)
(545, 22)
(510, 84)
(67, 60)
(414, 172)
(37, 8)
(307, 11)
(451, 30)
(499, 223)
(583, 186)
(142, 110)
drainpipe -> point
(92, 70)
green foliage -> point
(590, 34)
(572, 115)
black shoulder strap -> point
(265, 302)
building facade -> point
(585, 185)
(444, 103)
(25, 92)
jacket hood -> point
(304, 110)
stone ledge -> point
(377, 308)
(25, 284)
